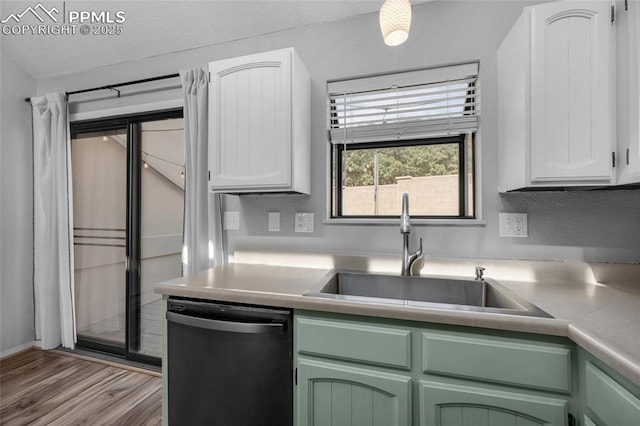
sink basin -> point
(431, 292)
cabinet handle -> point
(613, 13)
(227, 326)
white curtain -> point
(202, 228)
(52, 223)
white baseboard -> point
(17, 349)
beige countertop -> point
(602, 317)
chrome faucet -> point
(480, 277)
(408, 259)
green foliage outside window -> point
(415, 161)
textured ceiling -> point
(153, 28)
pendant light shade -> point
(395, 21)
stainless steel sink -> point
(431, 292)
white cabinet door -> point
(250, 123)
(250, 126)
(572, 87)
(629, 91)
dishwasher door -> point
(229, 365)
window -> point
(405, 132)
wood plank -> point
(67, 377)
(76, 407)
(76, 397)
(106, 400)
(12, 361)
(33, 373)
(147, 412)
(42, 388)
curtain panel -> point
(202, 226)
(52, 223)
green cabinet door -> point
(612, 404)
(444, 404)
(331, 394)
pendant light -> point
(395, 21)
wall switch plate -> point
(274, 221)
(304, 222)
(232, 221)
(513, 225)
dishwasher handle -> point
(226, 326)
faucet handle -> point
(415, 262)
(480, 273)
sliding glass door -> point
(99, 165)
(161, 221)
(128, 199)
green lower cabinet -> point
(444, 404)
(362, 371)
(330, 394)
(607, 399)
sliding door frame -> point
(133, 124)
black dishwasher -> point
(229, 364)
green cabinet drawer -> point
(498, 360)
(607, 399)
(353, 341)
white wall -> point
(16, 230)
(581, 226)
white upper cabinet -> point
(629, 93)
(259, 128)
(556, 103)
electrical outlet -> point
(274, 221)
(513, 225)
(232, 221)
(304, 222)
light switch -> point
(274, 221)
(232, 220)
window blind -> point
(408, 105)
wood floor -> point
(49, 388)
